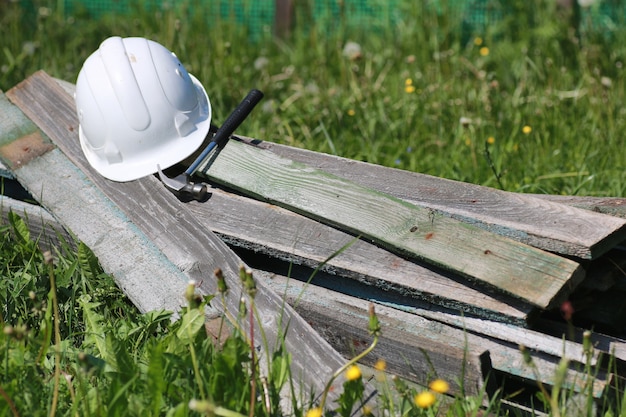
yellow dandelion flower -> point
(408, 81)
(351, 112)
(439, 386)
(353, 373)
(367, 410)
(425, 399)
(380, 365)
(527, 129)
(491, 140)
(314, 412)
(409, 89)
(468, 141)
(478, 41)
(484, 51)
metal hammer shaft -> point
(228, 127)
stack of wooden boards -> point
(461, 274)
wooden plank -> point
(5, 172)
(537, 277)
(556, 229)
(417, 348)
(395, 347)
(63, 189)
(43, 227)
(613, 206)
(548, 222)
(418, 356)
(532, 339)
(152, 214)
(288, 236)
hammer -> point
(181, 184)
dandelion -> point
(352, 51)
(367, 410)
(44, 11)
(439, 386)
(425, 399)
(314, 412)
(606, 82)
(353, 373)
(478, 41)
(408, 86)
(374, 325)
(221, 281)
(29, 48)
(351, 112)
(527, 129)
(260, 63)
(380, 365)
(484, 51)
(491, 140)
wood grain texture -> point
(145, 208)
(534, 276)
(43, 227)
(613, 206)
(5, 172)
(418, 348)
(548, 222)
(284, 235)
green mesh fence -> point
(258, 15)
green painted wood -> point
(285, 236)
(537, 277)
(14, 124)
(552, 223)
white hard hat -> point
(138, 108)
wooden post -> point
(283, 17)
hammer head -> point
(182, 186)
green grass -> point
(422, 95)
(73, 345)
(537, 73)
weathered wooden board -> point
(540, 221)
(413, 348)
(231, 221)
(613, 206)
(152, 222)
(130, 256)
(532, 339)
(288, 236)
(423, 350)
(534, 276)
(4, 171)
(43, 227)
(419, 349)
